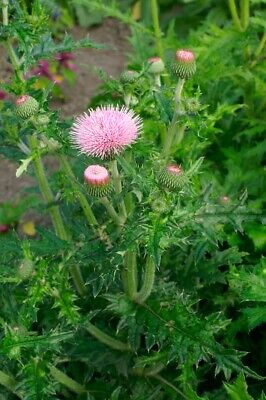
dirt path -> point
(77, 96)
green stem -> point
(169, 384)
(118, 188)
(81, 197)
(89, 214)
(62, 378)
(127, 99)
(148, 282)
(261, 45)
(9, 383)
(11, 52)
(46, 190)
(106, 339)
(172, 128)
(78, 280)
(156, 27)
(131, 274)
(54, 210)
(245, 11)
(111, 211)
(234, 14)
(157, 80)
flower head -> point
(26, 106)
(185, 64)
(172, 177)
(105, 131)
(156, 65)
(98, 180)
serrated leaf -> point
(238, 390)
(23, 166)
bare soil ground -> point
(112, 60)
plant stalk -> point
(65, 380)
(234, 14)
(46, 190)
(245, 11)
(111, 211)
(89, 214)
(148, 282)
(118, 188)
(9, 383)
(156, 27)
(172, 128)
(81, 197)
(53, 210)
(11, 52)
(106, 339)
(130, 277)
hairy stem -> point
(62, 378)
(157, 80)
(46, 190)
(54, 210)
(245, 11)
(130, 273)
(156, 27)
(169, 384)
(234, 14)
(106, 339)
(13, 57)
(9, 383)
(89, 214)
(81, 197)
(111, 211)
(173, 126)
(118, 188)
(148, 282)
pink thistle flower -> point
(105, 131)
(185, 56)
(174, 169)
(22, 99)
(96, 175)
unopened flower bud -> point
(171, 177)
(98, 181)
(41, 120)
(156, 65)
(26, 269)
(185, 64)
(26, 106)
(128, 77)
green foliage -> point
(198, 333)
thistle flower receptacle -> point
(106, 131)
(185, 64)
(26, 106)
(156, 65)
(97, 180)
(171, 177)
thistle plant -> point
(132, 289)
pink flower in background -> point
(65, 60)
(105, 131)
(2, 95)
